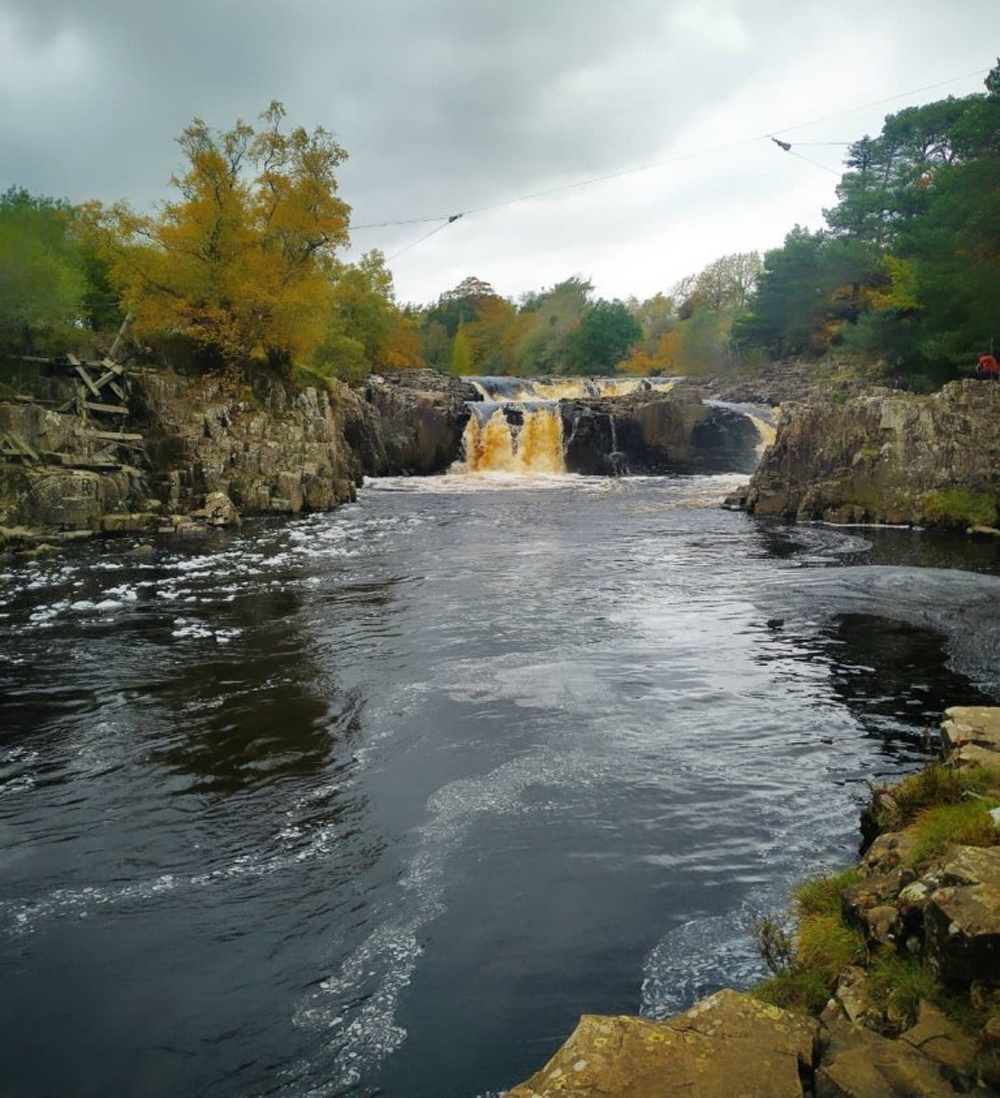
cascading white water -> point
(517, 427)
(494, 444)
(566, 388)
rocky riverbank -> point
(886, 457)
(190, 451)
(891, 988)
(179, 452)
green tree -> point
(550, 321)
(42, 281)
(607, 332)
(461, 357)
(788, 307)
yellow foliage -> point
(403, 348)
(241, 262)
(901, 293)
(664, 360)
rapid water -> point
(377, 802)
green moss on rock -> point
(959, 507)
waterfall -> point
(565, 388)
(516, 427)
(763, 417)
(514, 437)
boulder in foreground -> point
(727, 1045)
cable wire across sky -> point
(448, 219)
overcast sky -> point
(449, 105)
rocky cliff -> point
(270, 448)
(886, 458)
(204, 448)
(423, 415)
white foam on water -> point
(358, 1035)
(18, 918)
(16, 770)
(190, 627)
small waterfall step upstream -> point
(517, 427)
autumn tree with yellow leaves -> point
(242, 262)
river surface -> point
(379, 801)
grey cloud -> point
(441, 104)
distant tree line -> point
(243, 267)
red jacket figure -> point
(988, 367)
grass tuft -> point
(938, 784)
(896, 984)
(965, 824)
(797, 989)
(826, 945)
(822, 896)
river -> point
(379, 801)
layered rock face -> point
(423, 416)
(191, 449)
(275, 449)
(886, 458)
(672, 432)
(68, 477)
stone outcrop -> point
(75, 479)
(656, 432)
(858, 1063)
(971, 725)
(272, 448)
(192, 452)
(725, 1045)
(783, 382)
(962, 915)
(422, 417)
(886, 458)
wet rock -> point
(129, 522)
(726, 1045)
(422, 416)
(220, 510)
(656, 432)
(962, 916)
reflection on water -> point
(379, 801)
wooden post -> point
(120, 336)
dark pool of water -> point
(378, 802)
